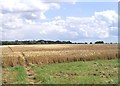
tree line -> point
(44, 42)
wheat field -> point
(13, 55)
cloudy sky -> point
(74, 21)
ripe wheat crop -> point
(48, 54)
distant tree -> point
(110, 42)
(0, 42)
(68, 42)
(99, 42)
(58, 42)
(91, 43)
(16, 42)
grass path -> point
(30, 78)
(30, 75)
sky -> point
(73, 21)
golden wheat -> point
(47, 54)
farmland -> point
(60, 63)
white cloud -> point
(109, 16)
(25, 5)
(19, 15)
(16, 13)
(11, 22)
(57, 17)
(100, 25)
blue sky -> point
(81, 9)
(79, 22)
